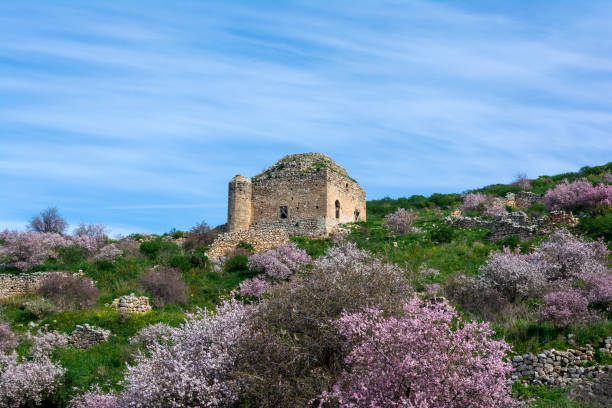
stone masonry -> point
(304, 194)
(260, 239)
(85, 336)
(560, 368)
(22, 284)
(131, 304)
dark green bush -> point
(597, 227)
(536, 210)
(511, 242)
(442, 233)
(245, 245)
(183, 262)
(151, 248)
(236, 263)
(72, 254)
(445, 201)
(498, 190)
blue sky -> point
(136, 114)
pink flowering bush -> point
(475, 201)
(494, 209)
(109, 253)
(513, 275)
(576, 195)
(193, 367)
(565, 307)
(154, 333)
(8, 339)
(561, 260)
(599, 289)
(95, 398)
(277, 265)
(522, 181)
(400, 221)
(427, 357)
(32, 381)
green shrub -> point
(498, 190)
(511, 242)
(442, 233)
(72, 254)
(236, 263)
(39, 308)
(245, 245)
(536, 210)
(596, 227)
(151, 248)
(183, 262)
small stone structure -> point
(560, 368)
(516, 223)
(131, 304)
(22, 284)
(85, 336)
(305, 194)
(260, 239)
(523, 199)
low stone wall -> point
(558, 218)
(22, 284)
(85, 336)
(308, 227)
(131, 304)
(526, 199)
(261, 239)
(558, 367)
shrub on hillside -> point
(597, 227)
(49, 220)
(565, 307)
(199, 236)
(39, 308)
(426, 357)
(400, 221)
(522, 181)
(236, 263)
(536, 210)
(8, 339)
(599, 291)
(33, 380)
(24, 250)
(165, 285)
(495, 208)
(291, 353)
(72, 254)
(68, 291)
(475, 201)
(109, 253)
(151, 248)
(94, 398)
(193, 367)
(577, 195)
(441, 233)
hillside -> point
(550, 289)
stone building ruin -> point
(306, 194)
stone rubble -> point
(85, 336)
(131, 304)
(261, 240)
(560, 367)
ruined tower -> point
(239, 207)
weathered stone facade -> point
(302, 194)
(523, 199)
(260, 239)
(22, 284)
(560, 368)
(131, 304)
(85, 336)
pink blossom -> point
(565, 307)
(578, 194)
(254, 287)
(472, 201)
(599, 287)
(400, 221)
(95, 398)
(426, 358)
(279, 263)
(109, 252)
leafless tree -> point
(49, 220)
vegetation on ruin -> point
(405, 248)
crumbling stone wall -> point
(85, 336)
(345, 195)
(556, 367)
(131, 304)
(261, 239)
(22, 284)
(525, 199)
(558, 218)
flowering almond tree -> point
(428, 357)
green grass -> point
(546, 397)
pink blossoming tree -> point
(427, 357)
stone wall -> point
(523, 200)
(349, 196)
(308, 226)
(85, 336)
(558, 218)
(131, 304)
(261, 239)
(22, 284)
(556, 367)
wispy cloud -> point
(106, 106)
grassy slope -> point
(437, 246)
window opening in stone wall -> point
(356, 215)
(284, 211)
(337, 209)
